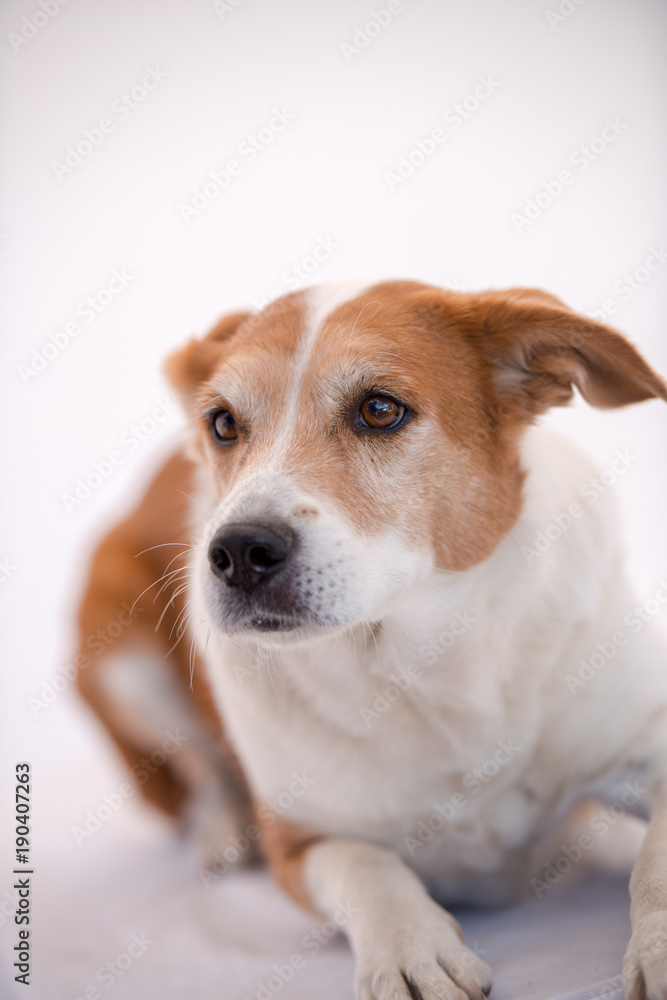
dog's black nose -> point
(244, 554)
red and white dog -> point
(360, 578)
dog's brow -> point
(360, 376)
(219, 395)
(228, 385)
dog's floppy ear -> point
(539, 350)
(188, 367)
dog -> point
(382, 579)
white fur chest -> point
(453, 787)
(397, 739)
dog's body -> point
(380, 772)
(383, 633)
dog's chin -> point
(278, 630)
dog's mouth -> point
(270, 623)
(267, 611)
(276, 618)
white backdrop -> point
(116, 111)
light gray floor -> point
(224, 941)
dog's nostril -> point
(220, 559)
(261, 558)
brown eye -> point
(224, 426)
(381, 412)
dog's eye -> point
(224, 426)
(381, 412)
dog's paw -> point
(425, 962)
(645, 962)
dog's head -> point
(358, 440)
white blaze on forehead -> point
(320, 302)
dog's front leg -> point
(645, 964)
(405, 945)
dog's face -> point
(357, 441)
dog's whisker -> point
(165, 580)
(155, 582)
(179, 555)
(171, 600)
(193, 651)
(196, 501)
(179, 636)
(182, 628)
(180, 615)
(145, 591)
(176, 574)
(192, 664)
(162, 545)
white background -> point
(449, 223)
